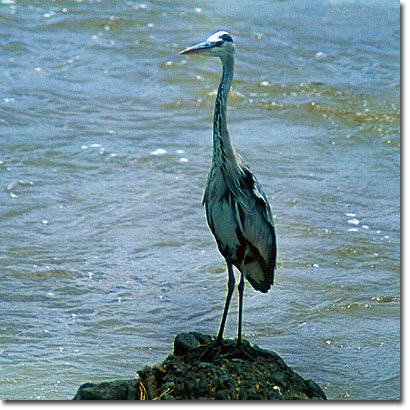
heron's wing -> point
(240, 218)
(256, 231)
(247, 190)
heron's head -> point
(220, 44)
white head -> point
(220, 44)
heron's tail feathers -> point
(259, 274)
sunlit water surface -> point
(105, 144)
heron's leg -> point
(231, 285)
(241, 287)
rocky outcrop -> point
(201, 369)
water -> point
(105, 144)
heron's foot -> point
(219, 349)
(212, 348)
(242, 350)
(203, 345)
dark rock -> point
(184, 342)
(115, 390)
(221, 395)
(202, 369)
(315, 389)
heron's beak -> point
(199, 48)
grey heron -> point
(237, 210)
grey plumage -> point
(237, 210)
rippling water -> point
(105, 144)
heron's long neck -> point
(222, 147)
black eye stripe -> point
(226, 37)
